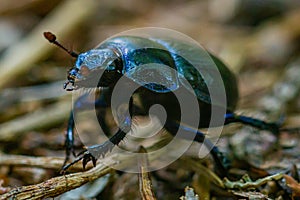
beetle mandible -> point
(118, 57)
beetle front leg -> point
(92, 153)
(69, 139)
(82, 103)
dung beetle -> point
(118, 57)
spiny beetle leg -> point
(260, 124)
(85, 156)
(222, 163)
(82, 103)
(69, 139)
(92, 153)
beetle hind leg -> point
(222, 163)
(260, 124)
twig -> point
(246, 182)
(58, 185)
(202, 171)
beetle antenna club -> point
(52, 39)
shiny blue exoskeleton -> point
(130, 56)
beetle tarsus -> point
(66, 84)
(69, 150)
(67, 166)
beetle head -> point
(97, 67)
(94, 68)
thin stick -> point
(145, 183)
(56, 186)
(40, 162)
(59, 185)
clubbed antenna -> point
(52, 39)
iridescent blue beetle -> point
(117, 57)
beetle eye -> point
(84, 70)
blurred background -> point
(258, 40)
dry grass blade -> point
(38, 119)
(42, 162)
(34, 47)
(145, 183)
(15, 5)
(202, 171)
(10, 96)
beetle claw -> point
(70, 89)
(84, 162)
(94, 160)
(88, 157)
(85, 156)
